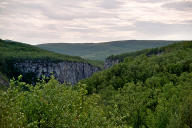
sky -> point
(90, 21)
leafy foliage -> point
(49, 105)
(148, 91)
(152, 51)
(142, 92)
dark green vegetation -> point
(49, 105)
(21, 51)
(148, 52)
(11, 52)
(142, 92)
(99, 51)
(148, 91)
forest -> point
(150, 89)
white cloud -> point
(180, 5)
(42, 21)
(110, 4)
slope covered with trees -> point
(149, 52)
(99, 51)
(142, 92)
(148, 91)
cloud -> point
(42, 21)
(152, 1)
(162, 29)
(110, 4)
(181, 6)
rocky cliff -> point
(66, 71)
(3, 81)
(110, 62)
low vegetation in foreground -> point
(141, 92)
(49, 105)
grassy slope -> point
(21, 51)
(17, 50)
(99, 51)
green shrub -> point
(49, 105)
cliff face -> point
(66, 71)
(110, 62)
(3, 81)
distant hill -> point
(99, 51)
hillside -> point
(161, 59)
(18, 58)
(114, 59)
(144, 91)
(149, 91)
(99, 51)
(152, 51)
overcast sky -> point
(73, 21)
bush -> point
(49, 105)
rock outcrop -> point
(110, 62)
(3, 81)
(66, 71)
